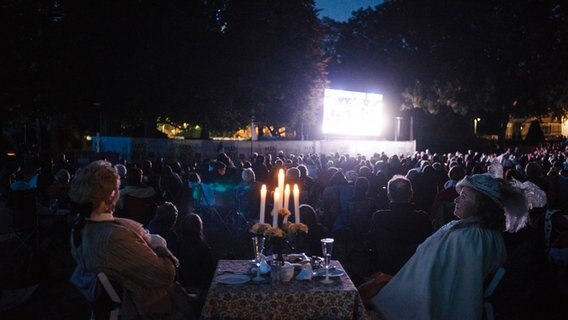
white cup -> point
(287, 273)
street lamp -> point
(475, 122)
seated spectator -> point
(137, 200)
(335, 198)
(396, 232)
(534, 174)
(425, 187)
(217, 172)
(247, 196)
(316, 231)
(444, 279)
(135, 187)
(121, 170)
(164, 223)
(232, 173)
(380, 192)
(306, 186)
(59, 189)
(136, 260)
(360, 210)
(195, 190)
(150, 178)
(293, 176)
(196, 262)
(260, 170)
(171, 185)
(442, 210)
(219, 189)
(526, 259)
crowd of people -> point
(437, 224)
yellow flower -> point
(296, 227)
(302, 227)
(284, 212)
(274, 232)
(259, 228)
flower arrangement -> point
(295, 227)
(260, 228)
(264, 229)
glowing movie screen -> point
(352, 113)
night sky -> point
(341, 9)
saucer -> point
(333, 272)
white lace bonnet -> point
(515, 198)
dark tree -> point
(535, 134)
(472, 59)
(278, 70)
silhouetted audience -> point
(396, 232)
(164, 223)
(196, 262)
(316, 231)
(247, 196)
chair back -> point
(107, 301)
(494, 280)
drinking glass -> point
(258, 246)
(326, 250)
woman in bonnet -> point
(138, 261)
(444, 278)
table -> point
(286, 300)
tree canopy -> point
(464, 59)
(117, 67)
(85, 66)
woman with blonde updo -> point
(138, 261)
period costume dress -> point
(444, 278)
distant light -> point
(11, 154)
(88, 138)
(197, 127)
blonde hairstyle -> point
(94, 183)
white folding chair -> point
(487, 306)
(114, 312)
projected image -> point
(352, 113)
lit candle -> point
(296, 193)
(277, 202)
(286, 196)
(281, 182)
(262, 203)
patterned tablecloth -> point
(286, 300)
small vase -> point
(277, 247)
